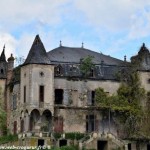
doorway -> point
(129, 146)
(148, 146)
(101, 145)
(40, 142)
(62, 143)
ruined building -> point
(47, 93)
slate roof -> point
(37, 53)
(73, 55)
(3, 57)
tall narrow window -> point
(41, 93)
(93, 97)
(15, 127)
(91, 123)
(24, 94)
(59, 96)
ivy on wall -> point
(126, 103)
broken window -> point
(91, 73)
(58, 70)
(91, 123)
(58, 124)
(59, 96)
(24, 94)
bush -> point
(8, 138)
(74, 135)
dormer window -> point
(2, 71)
(58, 70)
(91, 72)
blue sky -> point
(112, 27)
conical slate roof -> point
(37, 53)
(3, 57)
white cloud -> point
(10, 43)
(113, 15)
(14, 13)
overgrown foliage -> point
(86, 65)
(2, 113)
(8, 138)
(126, 103)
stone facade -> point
(47, 93)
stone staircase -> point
(104, 137)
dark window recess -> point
(91, 73)
(101, 145)
(22, 125)
(93, 97)
(24, 94)
(58, 96)
(148, 146)
(41, 93)
(58, 124)
(91, 123)
(14, 102)
(129, 146)
(40, 142)
(58, 70)
(2, 71)
(15, 127)
(62, 143)
(148, 80)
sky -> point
(112, 27)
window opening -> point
(41, 93)
(24, 94)
(59, 96)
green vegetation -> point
(74, 135)
(126, 104)
(86, 65)
(2, 114)
(65, 148)
(8, 138)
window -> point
(58, 96)
(58, 70)
(21, 125)
(2, 71)
(58, 124)
(91, 123)
(24, 94)
(91, 73)
(41, 93)
(41, 74)
(15, 127)
(14, 99)
(91, 97)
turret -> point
(11, 62)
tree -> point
(86, 65)
(126, 103)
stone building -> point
(48, 93)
